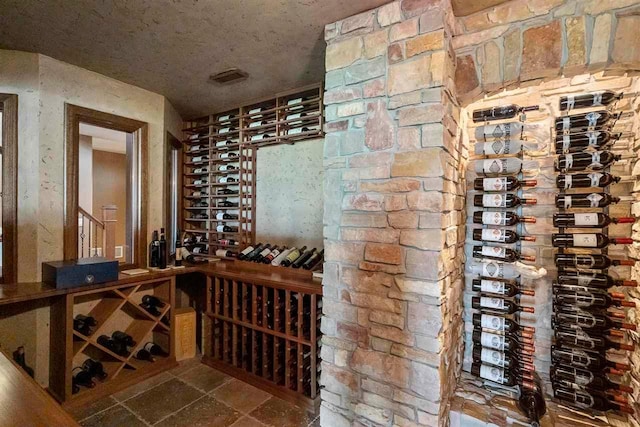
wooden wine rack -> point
(287, 118)
(114, 308)
(266, 333)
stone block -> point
(378, 235)
(349, 253)
(491, 66)
(378, 388)
(403, 397)
(352, 142)
(386, 268)
(362, 219)
(336, 126)
(600, 45)
(350, 109)
(403, 30)
(423, 264)
(426, 113)
(363, 202)
(375, 44)
(430, 201)
(370, 159)
(466, 77)
(389, 14)
(393, 334)
(428, 162)
(365, 71)
(339, 381)
(512, 53)
(382, 367)
(424, 319)
(379, 129)
(343, 53)
(403, 219)
(418, 7)
(625, 42)
(342, 95)
(380, 416)
(329, 418)
(437, 66)
(425, 42)
(408, 76)
(426, 381)
(361, 21)
(432, 20)
(408, 139)
(395, 202)
(386, 318)
(395, 53)
(433, 135)
(374, 88)
(542, 51)
(350, 332)
(404, 99)
(576, 41)
(333, 79)
(391, 186)
(432, 359)
(383, 253)
(423, 239)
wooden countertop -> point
(19, 292)
(25, 403)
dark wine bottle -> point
(586, 240)
(585, 161)
(591, 300)
(313, 260)
(154, 250)
(586, 100)
(144, 355)
(531, 402)
(271, 255)
(95, 369)
(255, 252)
(507, 200)
(81, 377)
(293, 256)
(501, 305)
(499, 132)
(499, 323)
(500, 218)
(226, 229)
(503, 183)
(499, 235)
(303, 258)
(155, 350)
(178, 256)
(588, 220)
(500, 112)
(585, 359)
(153, 300)
(500, 358)
(594, 280)
(260, 256)
(576, 142)
(499, 253)
(246, 251)
(494, 374)
(499, 287)
(584, 377)
(583, 121)
(586, 180)
(585, 200)
(576, 338)
(593, 261)
(162, 251)
(124, 338)
(585, 400)
(586, 320)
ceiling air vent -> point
(232, 75)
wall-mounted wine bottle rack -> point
(219, 179)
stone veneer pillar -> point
(393, 218)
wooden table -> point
(24, 403)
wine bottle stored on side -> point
(576, 142)
(313, 260)
(502, 131)
(593, 261)
(293, 255)
(500, 218)
(576, 338)
(586, 240)
(124, 338)
(272, 255)
(82, 377)
(504, 183)
(153, 300)
(590, 300)
(585, 400)
(155, 350)
(498, 166)
(278, 260)
(588, 220)
(584, 359)
(586, 180)
(95, 369)
(507, 200)
(501, 305)
(585, 377)
(593, 280)
(499, 147)
(499, 253)
(303, 258)
(499, 235)
(265, 251)
(499, 287)
(494, 374)
(144, 355)
(246, 251)
(583, 121)
(501, 359)
(585, 200)
(586, 100)
(494, 269)
(501, 112)
(586, 320)
(499, 323)
(585, 161)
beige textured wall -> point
(289, 194)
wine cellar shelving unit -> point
(219, 182)
(115, 309)
(267, 334)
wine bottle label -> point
(493, 286)
(493, 341)
(494, 200)
(584, 280)
(255, 124)
(294, 116)
(568, 181)
(265, 252)
(294, 101)
(594, 198)
(496, 303)
(494, 235)
(494, 184)
(566, 142)
(493, 357)
(571, 102)
(597, 99)
(584, 261)
(247, 250)
(593, 138)
(220, 228)
(197, 250)
(595, 162)
(566, 123)
(195, 148)
(587, 240)
(196, 159)
(492, 269)
(220, 215)
(221, 143)
(224, 130)
(568, 161)
(496, 323)
(221, 253)
(592, 118)
(585, 219)
(224, 118)
(492, 374)
(567, 201)
(595, 178)
(494, 166)
(494, 218)
(494, 251)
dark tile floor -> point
(193, 394)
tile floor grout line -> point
(135, 414)
(179, 409)
(143, 391)
(116, 403)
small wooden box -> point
(185, 333)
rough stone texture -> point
(389, 14)
(576, 43)
(425, 42)
(379, 130)
(512, 53)
(343, 53)
(491, 65)
(466, 78)
(628, 29)
(403, 30)
(600, 45)
(542, 50)
(375, 44)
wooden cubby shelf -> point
(115, 309)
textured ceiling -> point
(172, 46)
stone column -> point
(393, 218)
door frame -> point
(9, 107)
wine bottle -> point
(507, 200)
(228, 191)
(144, 355)
(260, 257)
(586, 240)
(230, 155)
(151, 309)
(586, 320)
(585, 161)
(499, 287)
(586, 180)
(585, 377)
(224, 215)
(162, 250)
(248, 250)
(155, 350)
(585, 200)
(178, 256)
(499, 235)
(293, 255)
(153, 300)
(499, 323)
(592, 261)
(123, 337)
(494, 269)
(531, 402)
(226, 229)
(226, 180)
(595, 299)
(116, 347)
(504, 183)
(583, 121)
(588, 220)
(224, 168)
(585, 359)
(95, 369)
(81, 377)
(586, 100)
(501, 305)
(502, 131)
(223, 253)
(499, 253)
(271, 255)
(506, 165)
(500, 112)
(278, 260)
(585, 400)
(576, 142)
(500, 358)
(303, 258)
(227, 204)
(500, 218)
(595, 280)
(154, 250)
(499, 147)
(82, 327)
(577, 338)
(494, 374)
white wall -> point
(85, 185)
(289, 196)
